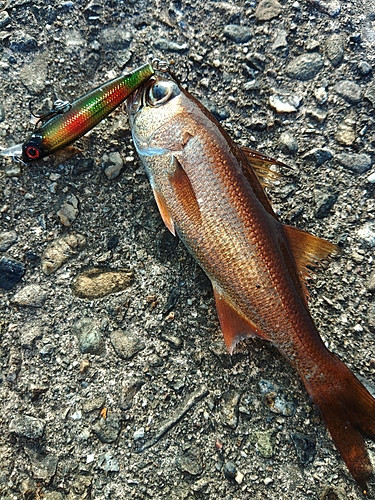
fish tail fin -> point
(349, 412)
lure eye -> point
(33, 149)
(162, 92)
(32, 152)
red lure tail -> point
(349, 412)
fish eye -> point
(162, 92)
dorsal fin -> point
(308, 251)
(261, 164)
(167, 219)
(234, 326)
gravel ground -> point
(114, 379)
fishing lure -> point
(71, 121)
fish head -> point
(152, 108)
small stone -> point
(316, 114)
(129, 390)
(229, 408)
(239, 477)
(321, 95)
(358, 163)
(324, 200)
(84, 366)
(30, 296)
(68, 211)
(305, 448)
(267, 480)
(345, 133)
(5, 19)
(89, 336)
(22, 41)
(25, 426)
(93, 404)
(335, 49)
(267, 10)
(29, 333)
(61, 250)
(371, 282)
(305, 67)
(367, 233)
(230, 470)
(370, 93)
(275, 399)
(43, 465)
(371, 316)
(127, 344)
(169, 46)
(108, 429)
(364, 68)
(139, 434)
(7, 239)
(238, 33)
(112, 242)
(285, 103)
(257, 61)
(349, 90)
(318, 155)
(371, 178)
(108, 463)
(112, 164)
(189, 463)
(82, 166)
(115, 38)
(11, 272)
(288, 143)
(264, 443)
(280, 40)
(96, 282)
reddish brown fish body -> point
(208, 193)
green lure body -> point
(83, 114)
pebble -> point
(31, 296)
(285, 103)
(316, 114)
(371, 282)
(305, 67)
(267, 10)
(112, 242)
(288, 143)
(371, 316)
(129, 390)
(280, 40)
(305, 448)
(112, 164)
(358, 163)
(26, 426)
(115, 38)
(349, 90)
(169, 46)
(318, 155)
(264, 443)
(29, 333)
(173, 340)
(89, 336)
(237, 33)
(11, 272)
(370, 93)
(69, 210)
(230, 470)
(367, 233)
(5, 19)
(96, 282)
(139, 434)
(371, 178)
(345, 133)
(335, 49)
(127, 343)
(108, 463)
(321, 95)
(189, 463)
(108, 429)
(229, 408)
(61, 250)
(257, 61)
(21, 41)
(275, 399)
(94, 403)
(364, 68)
(324, 200)
(43, 465)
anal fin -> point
(234, 326)
(184, 192)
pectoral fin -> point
(234, 326)
(167, 219)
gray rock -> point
(115, 39)
(108, 463)
(349, 90)
(89, 336)
(280, 40)
(238, 33)
(370, 93)
(169, 46)
(358, 163)
(11, 272)
(53, 495)
(30, 296)
(364, 68)
(22, 41)
(316, 114)
(285, 103)
(345, 133)
(29, 333)
(321, 95)
(127, 344)
(318, 155)
(25, 426)
(112, 164)
(7, 239)
(367, 233)
(324, 200)
(267, 10)
(229, 408)
(139, 434)
(288, 143)
(61, 250)
(305, 67)
(129, 390)
(35, 80)
(335, 49)
(108, 429)
(95, 403)
(5, 19)
(43, 465)
(305, 447)
(230, 470)
(330, 7)
(371, 282)
(69, 210)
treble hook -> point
(165, 67)
(59, 107)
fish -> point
(71, 121)
(210, 193)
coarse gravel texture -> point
(129, 393)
